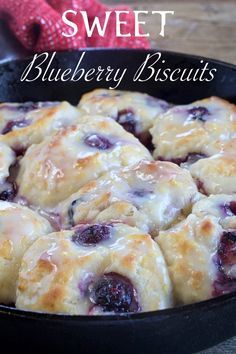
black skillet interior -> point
(182, 330)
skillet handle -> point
(10, 47)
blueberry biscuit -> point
(150, 195)
(186, 133)
(135, 111)
(222, 206)
(216, 174)
(54, 169)
(200, 256)
(19, 228)
(23, 124)
(94, 269)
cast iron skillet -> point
(180, 330)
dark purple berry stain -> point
(19, 150)
(10, 193)
(232, 207)
(71, 212)
(176, 161)
(227, 249)
(190, 158)
(198, 113)
(15, 124)
(99, 142)
(194, 157)
(201, 186)
(113, 292)
(141, 192)
(225, 260)
(92, 234)
(126, 118)
(229, 209)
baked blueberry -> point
(126, 118)
(198, 113)
(15, 124)
(71, 212)
(91, 234)
(9, 193)
(232, 207)
(227, 252)
(226, 262)
(98, 141)
(114, 293)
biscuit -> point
(135, 111)
(187, 132)
(150, 195)
(19, 228)
(94, 269)
(54, 169)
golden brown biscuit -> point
(19, 228)
(222, 206)
(216, 174)
(53, 170)
(135, 111)
(94, 269)
(150, 195)
(22, 125)
(187, 132)
(201, 258)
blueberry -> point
(15, 124)
(141, 192)
(190, 158)
(99, 142)
(92, 234)
(126, 118)
(10, 193)
(71, 212)
(232, 207)
(227, 249)
(225, 260)
(19, 150)
(229, 209)
(194, 157)
(198, 113)
(114, 293)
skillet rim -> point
(179, 310)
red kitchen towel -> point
(38, 24)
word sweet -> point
(119, 22)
